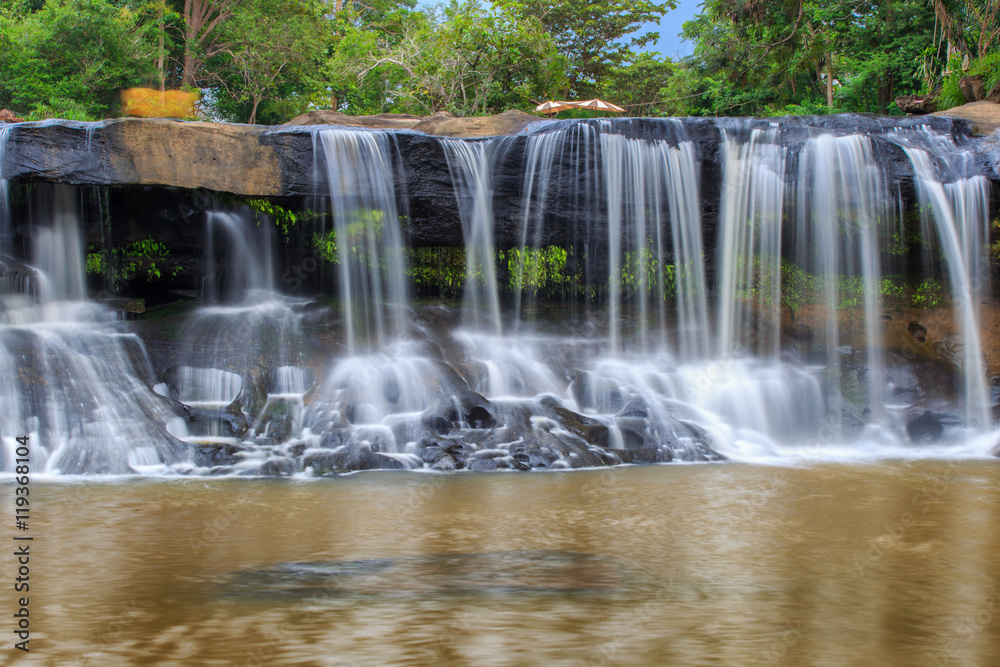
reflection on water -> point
(876, 564)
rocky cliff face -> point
(162, 175)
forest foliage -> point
(268, 60)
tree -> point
(759, 57)
(268, 45)
(473, 60)
(202, 19)
(638, 85)
(594, 36)
(71, 57)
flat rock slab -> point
(441, 124)
(983, 117)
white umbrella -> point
(554, 107)
(598, 105)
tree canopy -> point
(268, 60)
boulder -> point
(928, 428)
(209, 454)
(350, 459)
(971, 87)
(443, 123)
(994, 94)
(916, 104)
(983, 117)
(8, 116)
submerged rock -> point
(351, 458)
(214, 454)
(534, 571)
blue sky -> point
(671, 24)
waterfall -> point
(58, 251)
(652, 189)
(540, 157)
(249, 273)
(676, 289)
(366, 235)
(751, 210)
(842, 205)
(78, 383)
(469, 165)
(956, 234)
(5, 224)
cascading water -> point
(469, 165)
(366, 235)
(644, 181)
(962, 238)
(78, 384)
(5, 230)
(841, 206)
(243, 355)
(751, 209)
(730, 329)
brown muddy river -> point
(890, 563)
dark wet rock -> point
(479, 417)
(917, 331)
(336, 438)
(120, 304)
(213, 454)
(431, 576)
(635, 408)
(352, 458)
(437, 424)
(296, 450)
(644, 455)
(277, 467)
(591, 430)
(235, 421)
(14, 271)
(445, 462)
(632, 437)
(925, 429)
(481, 465)
(279, 419)
(917, 105)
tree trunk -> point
(253, 112)
(829, 81)
(160, 46)
(189, 66)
